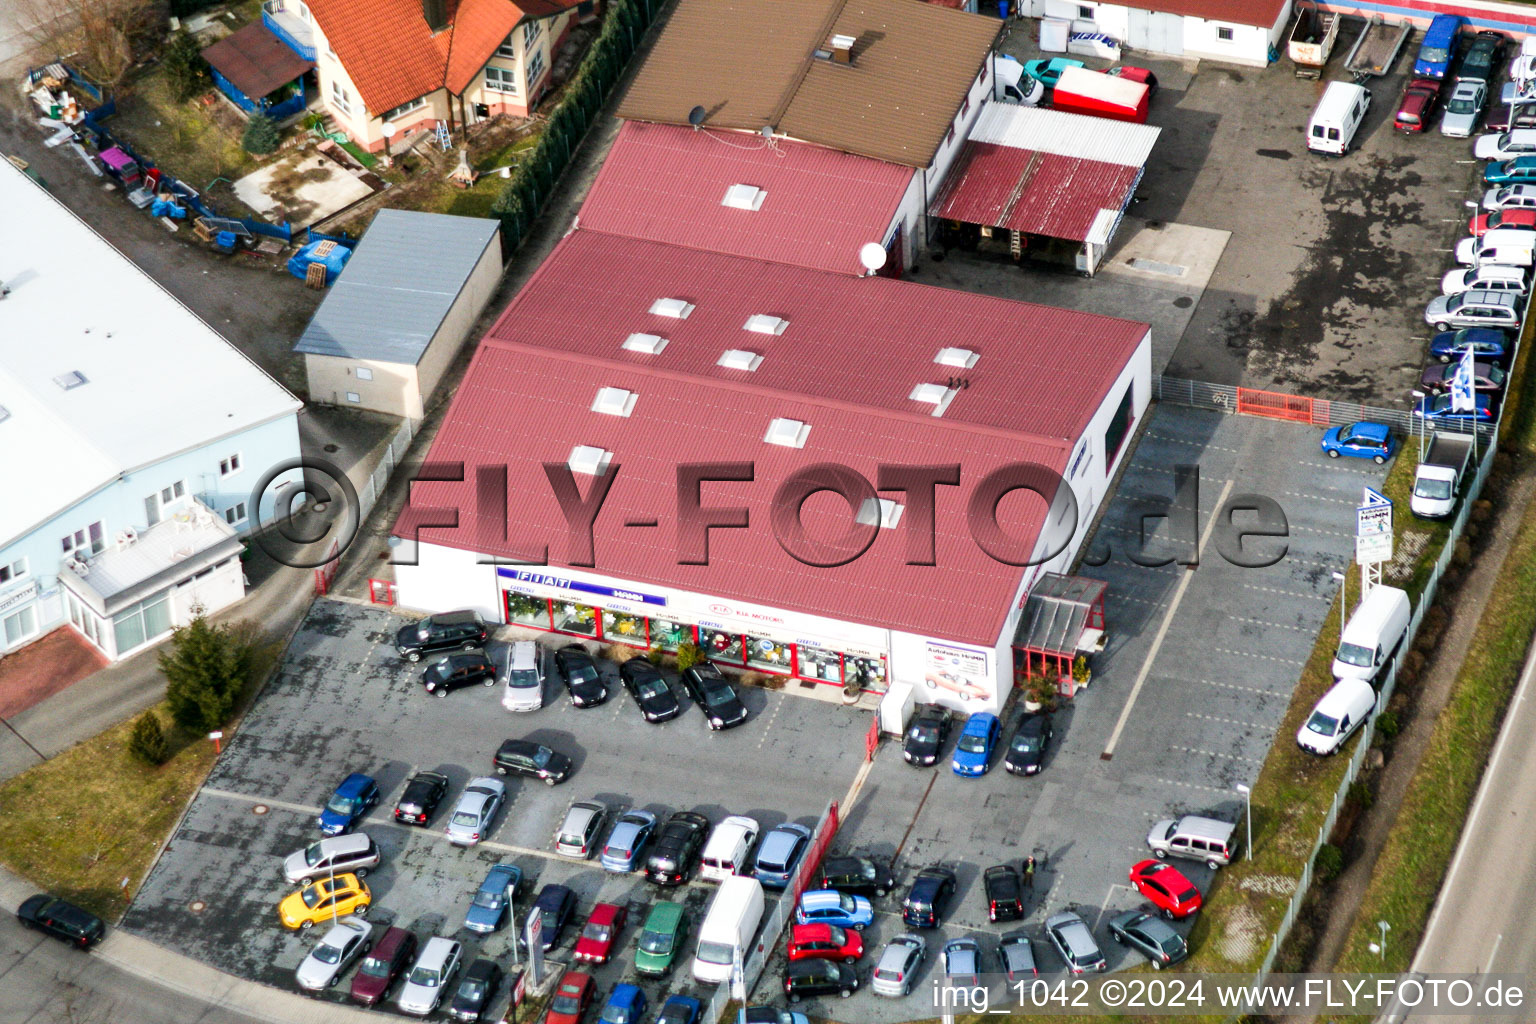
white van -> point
(728, 928)
(1474, 252)
(524, 682)
(1338, 116)
(726, 852)
(1343, 709)
(1373, 635)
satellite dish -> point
(768, 132)
(696, 116)
(872, 255)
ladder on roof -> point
(443, 138)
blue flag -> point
(1463, 395)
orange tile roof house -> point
(413, 63)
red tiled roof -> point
(255, 61)
(1026, 190)
(665, 183)
(1259, 13)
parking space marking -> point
(1162, 632)
(242, 797)
(1108, 897)
(1223, 721)
(1334, 467)
(1275, 625)
(1288, 593)
(1325, 533)
(1262, 657)
(1319, 497)
(1196, 444)
(1235, 686)
(1216, 753)
(777, 707)
(1194, 785)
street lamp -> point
(388, 128)
(1382, 949)
(1422, 426)
(1343, 600)
(1248, 814)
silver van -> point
(1194, 838)
(354, 853)
(1373, 635)
(1476, 307)
(524, 680)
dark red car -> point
(600, 933)
(385, 962)
(571, 999)
(1417, 107)
(825, 942)
(1131, 73)
(1174, 895)
(1520, 218)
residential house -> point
(1236, 31)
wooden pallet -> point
(314, 277)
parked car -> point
(1166, 887)
(1417, 107)
(335, 854)
(1026, 747)
(385, 962)
(973, 751)
(595, 943)
(476, 811)
(1520, 220)
(1161, 944)
(715, 696)
(524, 689)
(861, 876)
(430, 976)
(1486, 376)
(571, 999)
(1480, 307)
(534, 760)
(1134, 74)
(1509, 197)
(61, 920)
(489, 907)
(963, 963)
(1360, 440)
(325, 899)
(660, 938)
(423, 792)
(1004, 893)
(926, 735)
(1517, 142)
(898, 966)
(653, 696)
(772, 1015)
(1490, 276)
(1485, 342)
(1464, 109)
(1483, 57)
(1018, 956)
(1074, 943)
(626, 1005)
(579, 674)
(457, 671)
(627, 840)
(1509, 112)
(1438, 409)
(442, 632)
(828, 906)
(826, 942)
(476, 990)
(353, 799)
(675, 850)
(323, 967)
(1518, 171)
(1046, 72)
(555, 904)
(577, 834)
(778, 855)
(679, 1010)
(929, 897)
(804, 978)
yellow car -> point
(323, 899)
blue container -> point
(1002, 9)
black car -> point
(458, 670)
(476, 989)
(858, 876)
(64, 921)
(714, 696)
(443, 632)
(675, 847)
(579, 673)
(524, 757)
(1005, 894)
(929, 897)
(818, 978)
(645, 683)
(1026, 747)
(555, 903)
(926, 736)
(1483, 57)
(422, 794)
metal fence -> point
(378, 479)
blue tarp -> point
(333, 261)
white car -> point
(429, 976)
(1489, 276)
(1505, 145)
(1510, 197)
(347, 940)
(471, 819)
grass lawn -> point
(193, 141)
(87, 824)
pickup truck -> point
(1438, 478)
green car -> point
(659, 939)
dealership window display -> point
(718, 645)
(823, 666)
(575, 618)
(623, 628)
(768, 655)
(669, 635)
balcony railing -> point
(290, 28)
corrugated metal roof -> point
(398, 286)
(666, 183)
(1073, 135)
(750, 63)
(255, 61)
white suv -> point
(1489, 277)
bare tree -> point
(98, 34)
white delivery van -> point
(1373, 635)
(728, 928)
(1474, 252)
(1343, 709)
(1337, 118)
(726, 852)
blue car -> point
(828, 906)
(779, 854)
(1519, 171)
(1438, 409)
(625, 1006)
(1485, 342)
(1361, 440)
(679, 1010)
(355, 797)
(973, 751)
(1046, 72)
(1439, 46)
(627, 840)
(488, 910)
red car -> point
(825, 942)
(571, 999)
(385, 962)
(1174, 895)
(1519, 218)
(596, 939)
(1134, 74)
(1417, 107)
